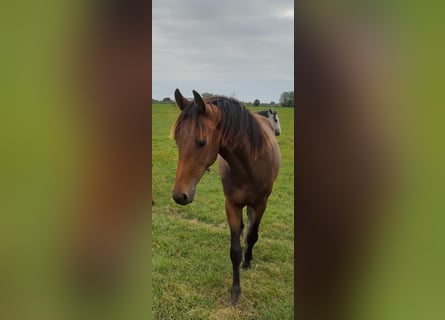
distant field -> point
(191, 264)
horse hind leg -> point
(254, 218)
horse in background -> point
(273, 118)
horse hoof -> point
(246, 265)
(235, 295)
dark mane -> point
(239, 127)
(190, 112)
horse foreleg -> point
(234, 217)
(254, 215)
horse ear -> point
(270, 110)
(180, 100)
(199, 102)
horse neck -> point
(237, 160)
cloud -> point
(211, 44)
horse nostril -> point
(180, 198)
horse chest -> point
(245, 193)
(243, 186)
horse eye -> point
(201, 143)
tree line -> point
(286, 100)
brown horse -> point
(248, 164)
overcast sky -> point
(241, 48)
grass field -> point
(192, 270)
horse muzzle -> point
(183, 198)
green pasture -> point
(192, 271)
